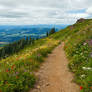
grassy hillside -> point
(78, 48)
(17, 71)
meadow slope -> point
(17, 70)
(78, 48)
(54, 75)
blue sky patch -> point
(77, 11)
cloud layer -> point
(44, 11)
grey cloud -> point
(12, 15)
(43, 11)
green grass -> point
(78, 48)
(17, 71)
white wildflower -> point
(86, 68)
(85, 43)
(82, 76)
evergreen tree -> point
(52, 31)
(37, 38)
(33, 40)
(30, 40)
(27, 40)
(3, 52)
(47, 34)
(15, 47)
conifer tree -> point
(30, 40)
(52, 31)
(27, 41)
(47, 34)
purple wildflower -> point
(17, 72)
(30, 72)
(25, 70)
(89, 42)
(39, 55)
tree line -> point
(52, 31)
(16, 46)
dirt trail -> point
(54, 75)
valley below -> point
(11, 33)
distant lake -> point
(11, 33)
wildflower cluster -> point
(17, 71)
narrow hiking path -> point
(54, 75)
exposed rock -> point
(80, 20)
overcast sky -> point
(44, 11)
